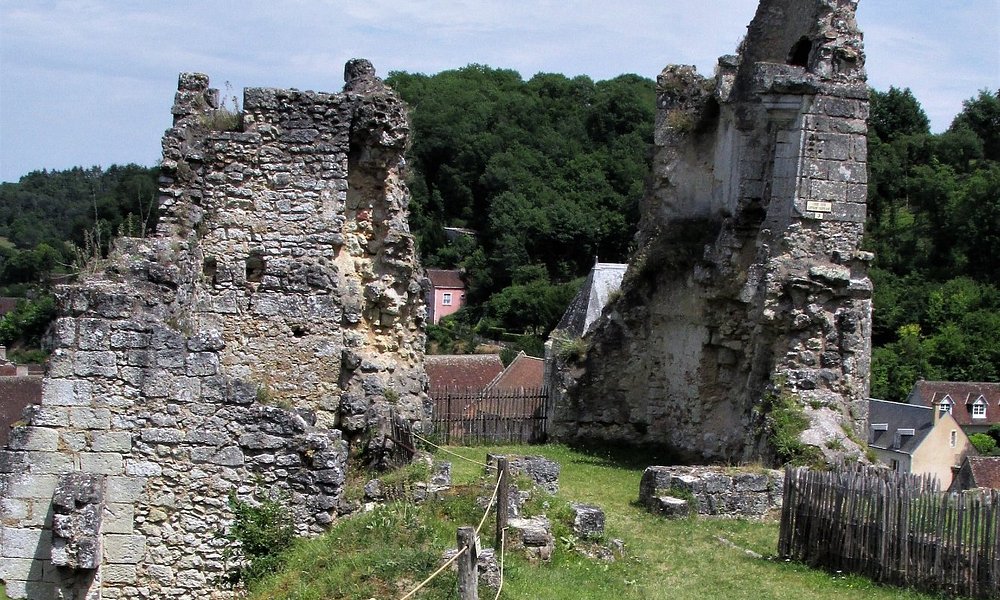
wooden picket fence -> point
(893, 528)
(469, 416)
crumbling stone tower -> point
(749, 284)
(275, 318)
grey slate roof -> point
(898, 416)
(604, 279)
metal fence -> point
(495, 416)
(894, 528)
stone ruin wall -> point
(749, 281)
(275, 318)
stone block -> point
(33, 438)
(751, 482)
(50, 462)
(671, 507)
(124, 489)
(90, 418)
(31, 486)
(588, 520)
(102, 463)
(202, 364)
(66, 392)
(94, 334)
(125, 549)
(118, 574)
(13, 511)
(112, 441)
(93, 364)
(162, 435)
(142, 468)
(25, 543)
(20, 569)
(78, 507)
(50, 416)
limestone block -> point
(65, 392)
(97, 363)
(118, 573)
(90, 418)
(124, 489)
(112, 441)
(33, 438)
(127, 549)
(142, 468)
(118, 518)
(103, 463)
(78, 507)
(25, 543)
(49, 462)
(671, 507)
(32, 485)
(588, 520)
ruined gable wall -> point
(749, 276)
(235, 352)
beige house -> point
(917, 439)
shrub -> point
(260, 533)
(785, 421)
(984, 443)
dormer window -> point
(946, 405)
(979, 408)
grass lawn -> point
(384, 553)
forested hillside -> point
(934, 225)
(549, 172)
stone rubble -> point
(717, 491)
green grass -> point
(383, 554)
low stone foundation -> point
(717, 491)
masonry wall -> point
(749, 281)
(272, 325)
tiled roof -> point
(896, 416)
(15, 394)
(441, 278)
(8, 304)
(985, 471)
(588, 304)
(461, 371)
(962, 394)
(524, 372)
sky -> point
(91, 82)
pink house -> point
(447, 293)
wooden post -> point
(503, 498)
(468, 581)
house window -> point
(979, 408)
(894, 464)
(946, 405)
(954, 438)
(446, 299)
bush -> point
(28, 321)
(985, 444)
(260, 533)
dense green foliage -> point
(53, 221)
(260, 532)
(548, 172)
(934, 225)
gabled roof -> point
(588, 304)
(963, 394)
(446, 278)
(985, 471)
(461, 371)
(898, 416)
(524, 372)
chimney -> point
(936, 408)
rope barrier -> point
(435, 573)
(503, 545)
(489, 505)
(446, 451)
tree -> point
(895, 114)
(983, 443)
(981, 115)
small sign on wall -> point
(819, 206)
